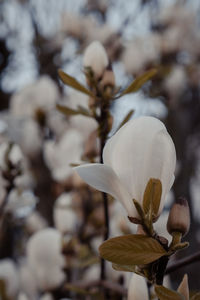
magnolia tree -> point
(91, 208)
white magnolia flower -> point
(176, 82)
(83, 124)
(140, 52)
(118, 221)
(35, 222)
(59, 155)
(46, 297)
(65, 218)
(42, 94)
(161, 226)
(140, 150)
(45, 258)
(22, 296)
(29, 137)
(77, 25)
(20, 202)
(137, 289)
(8, 273)
(14, 153)
(96, 58)
(28, 282)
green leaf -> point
(71, 112)
(126, 119)
(72, 82)
(152, 196)
(165, 294)
(125, 268)
(196, 296)
(138, 82)
(131, 250)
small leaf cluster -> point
(101, 96)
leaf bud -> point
(179, 217)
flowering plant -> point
(140, 150)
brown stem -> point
(103, 128)
(10, 179)
(105, 202)
(183, 262)
(162, 264)
(103, 125)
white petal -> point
(140, 150)
(137, 289)
(104, 179)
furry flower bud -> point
(179, 217)
(95, 57)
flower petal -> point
(140, 150)
(104, 179)
(137, 289)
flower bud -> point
(179, 217)
(95, 57)
(108, 78)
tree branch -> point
(183, 262)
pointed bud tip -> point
(95, 57)
(179, 217)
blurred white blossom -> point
(141, 51)
(20, 202)
(45, 259)
(46, 297)
(76, 25)
(83, 124)
(30, 139)
(41, 95)
(59, 155)
(137, 288)
(28, 281)
(176, 82)
(22, 296)
(10, 153)
(96, 58)
(65, 218)
(35, 222)
(9, 273)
